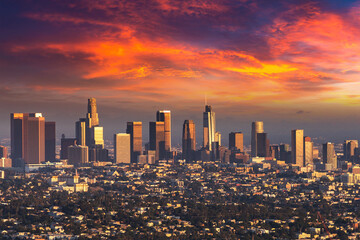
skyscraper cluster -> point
(33, 140)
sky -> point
(289, 63)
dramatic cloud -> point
(262, 56)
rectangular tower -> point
(122, 148)
(263, 145)
(256, 127)
(329, 156)
(135, 131)
(34, 139)
(236, 141)
(165, 116)
(80, 130)
(308, 151)
(157, 139)
(209, 128)
(297, 147)
(50, 141)
(189, 140)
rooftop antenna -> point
(205, 100)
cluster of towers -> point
(33, 141)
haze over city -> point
(291, 64)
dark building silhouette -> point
(263, 145)
(157, 139)
(285, 153)
(189, 140)
(135, 131)
(65, 144)
(50, 141)
(236, 141)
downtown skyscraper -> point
(189, 140)
(209, 127)
(135, 131)
(165, 116)
(28, 137)
(297, 147)
(256, 127)
(157, 139)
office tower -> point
(65, 144)
(3, 152)
(308, 151)
(236, 141)
(165, 116)
(189, 140)
(256, 127)
(97, 136)
(349, 148)
(34, 139)
(263, 145)
(28, 137)
(92, 112)
(329, 156)
(92, 120)
(16, 122)
(218, 138)
(285, 153)
(135, 131)
(80, 129)
(78, 155)
(157, 139)
(122, 148)
(274, 152)
(209, 127)
(297, 147)
(50, 141)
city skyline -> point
(288, 63)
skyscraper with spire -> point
(209, 128)
(92, 120)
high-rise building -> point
(135, 131)
(78, 155)
(50, 141)
(122, 148)
(263, 145)
(157, 139)
(80, 129)
(297, 147)
(349, 148)
(97, 136)
(16, 122)
(28, 137)
(34, 139)
(209, 127)
(308, 151)
(165, 116)
(92, 120)
(236, 141)
(65, 144)
(329, 156)
(3, 152)
(189, 140)
(218, 138)
(256, 127)
(92, 112)
(285, 153)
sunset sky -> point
(290, 63)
